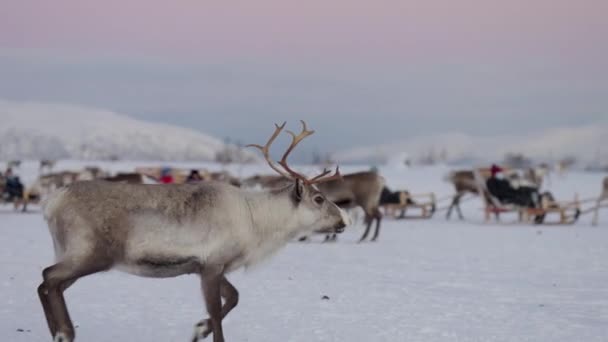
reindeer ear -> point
(298, 191)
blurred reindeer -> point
(46, 164)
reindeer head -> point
(313, 211)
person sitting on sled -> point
(502, 189)
(13, 187)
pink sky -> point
(334, 30)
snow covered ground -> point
(432, 280)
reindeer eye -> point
(319, 200)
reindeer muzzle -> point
(339, 228)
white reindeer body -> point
(182, 226)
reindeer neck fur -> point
(273, 212)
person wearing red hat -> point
(165, 176)
(502, 190)
(495, 169)
(498, 186)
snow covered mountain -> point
(59, 131)
(586, 143)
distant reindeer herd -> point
(365, 191)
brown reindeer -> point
(264, 181)
(209, 229)
(603, 197)
(225, 176)
(46, 164)
(361, 189)
(464, 182)
(129, 178)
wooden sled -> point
(567, 212)
(425, 203)
(21, 203)
(16, 202)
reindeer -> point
(464, 182)
(209, 228)
(361, 189)
(92, 172)
(49, 182)
(225, 176)
(603, 197)
(46, 164)
(130, 178)
(264, 181)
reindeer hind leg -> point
(56, 279)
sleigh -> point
(423, 205)
(17, 201)
(550, 212)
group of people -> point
(166, 177)
(11, 187)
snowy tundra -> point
(432, 280)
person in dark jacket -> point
(194, 177)
(500, 188)
(13, 187)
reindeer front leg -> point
(231, 299)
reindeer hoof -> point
(202, 329)
(61, 337)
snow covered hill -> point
(59, 131)
(583, 142)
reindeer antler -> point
(266, 149)
(294, 142)
(319, 179)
